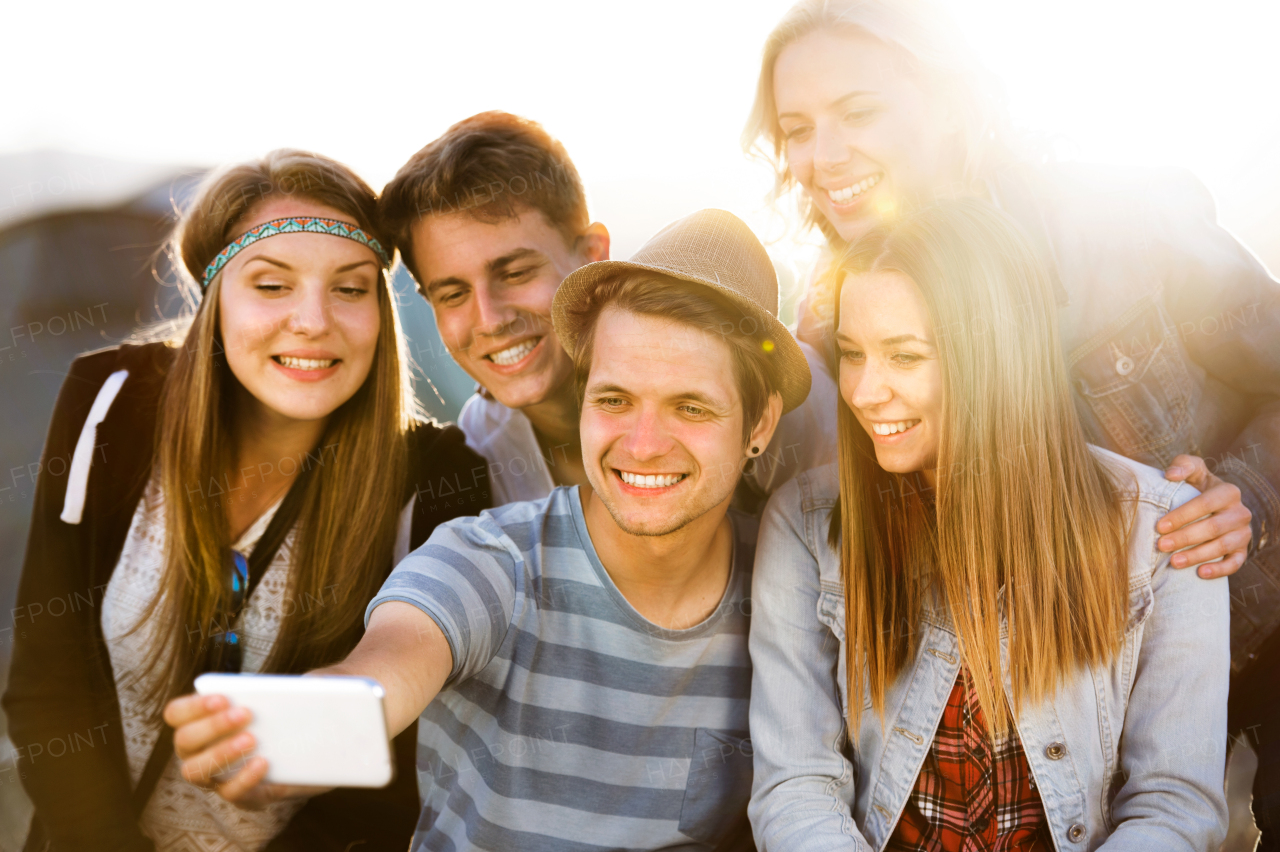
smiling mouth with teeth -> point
(662, 480)
(513, 354)
(844, 196)
(893, 428)
(304, 363)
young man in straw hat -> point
(580, 662)
(489, 218)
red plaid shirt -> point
(969, 796)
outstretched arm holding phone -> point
(403, 649)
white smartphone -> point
(321, 730)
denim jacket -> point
(1129, 756)
(1171, 331)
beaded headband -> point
(293, 225)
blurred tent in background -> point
(81, 263)
(79, 239)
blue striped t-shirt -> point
(571, 722)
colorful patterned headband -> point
(294, 225)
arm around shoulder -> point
(1225, 309)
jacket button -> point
(1055, 751)
(1075, 833)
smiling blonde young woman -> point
(238, 493)
(964, 637)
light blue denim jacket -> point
(1129, 756)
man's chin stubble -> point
(649, 532)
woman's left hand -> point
(1223, 526)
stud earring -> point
(755, 450)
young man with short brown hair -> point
(489, 219)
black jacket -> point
(63, 712)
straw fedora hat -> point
(713, 249)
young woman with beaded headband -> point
(867, 109)
(237, 494)
(964, 637)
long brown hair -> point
(347, 518)
(1028, 525)
(931, 45)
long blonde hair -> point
(354, 483)
(1028, 525)
(930, 41)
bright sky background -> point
(649, 97)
